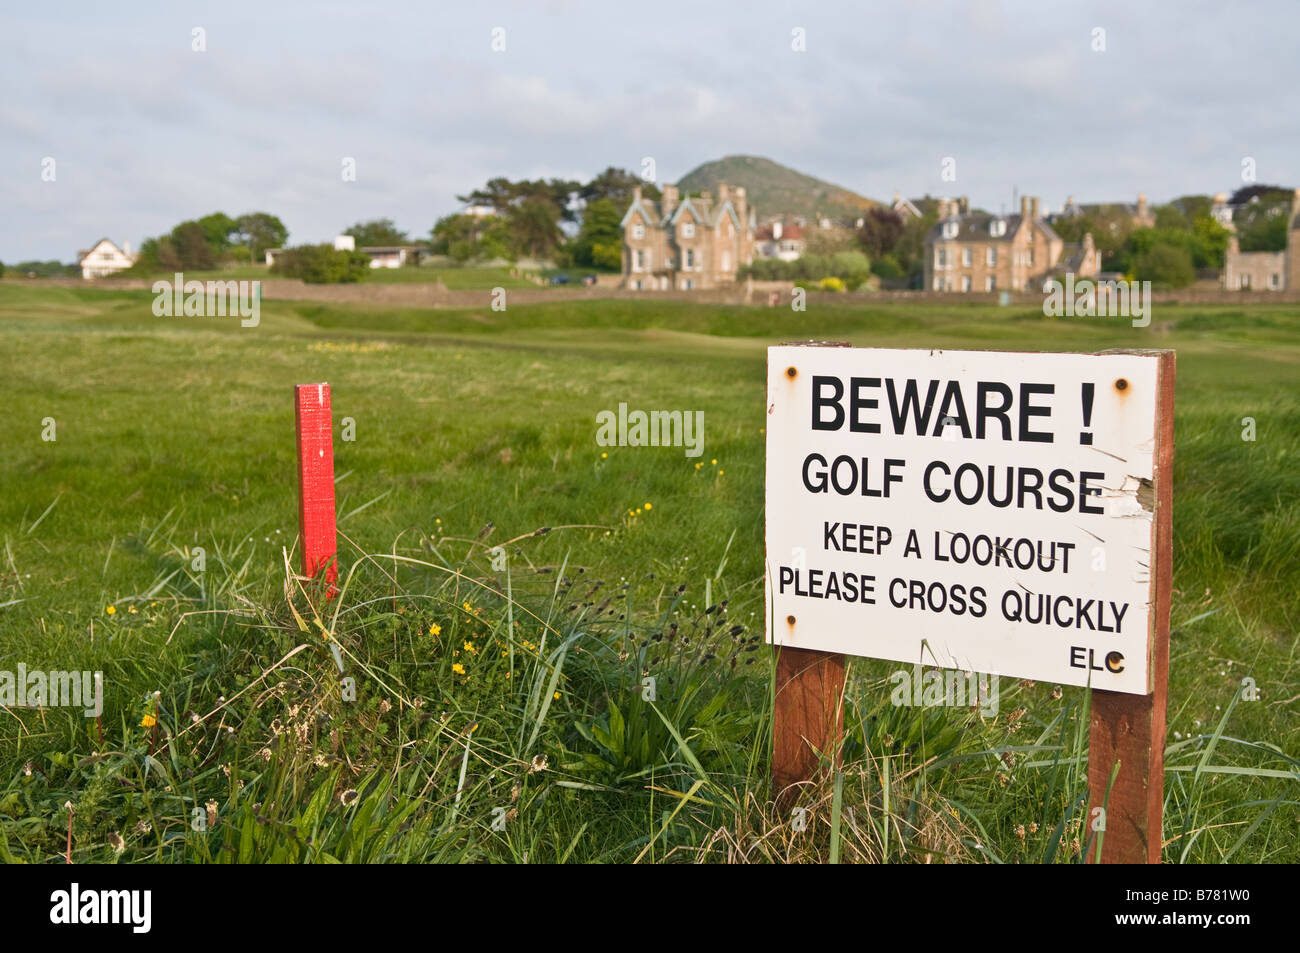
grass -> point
(473, 430)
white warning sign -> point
(985, 511)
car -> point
(559, 279)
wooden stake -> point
(809, 716)
(1130, 729)
(316, 482)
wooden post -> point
(809, 706)
(809, 715)
(1130, 729)
(316, 482)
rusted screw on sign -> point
(789, 619)
(790, 372)
(1121, 384)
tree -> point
(219, 230)
(377, 233)
(600, 240)
(617, 185)
(534, 227)
(881, 229)
(190, 248)
(260, 231)
(1165, 265)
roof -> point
(974, 227)
(791, 232)
(81, 255)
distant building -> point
(1265, 270)
(381, 256)
(905, 208)
(1139, 214)
(969, 251)
(779, 240)
(687, 243)
(105, 259)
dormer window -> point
(950, 229)
(688, 229)
(638, 230)
(998, 227)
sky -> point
(145, 131)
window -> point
(1273, 281)
(950, 229)
(965, 256)
(941, 258)
(726, 261)
(1243, 282)
(991, 257)
(965, 283)
(997, 228)
(638, 262)
(990, 283)
(690, 258)
(688, 229)
(637, 285)
(638, 230)
(688, 284)
(1029, 258)
(938, 283)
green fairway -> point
(514, 679)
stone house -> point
(687, 243)
(1265, 270)
(969, 251)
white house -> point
(104, 259)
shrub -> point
(831, 284)
(322, 265)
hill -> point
(775, 189)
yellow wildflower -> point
(469, 647)
(556, 696)
(648, 507)
(111, 610)
(604, 456)
(148, 721)
(435, 629)
(458, 668)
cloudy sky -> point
(145, 132)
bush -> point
(887, 267)
(322, 265)
(831, 284)
(1165, 265)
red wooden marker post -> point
(809, 719)
(1130, 729)
(316, 482)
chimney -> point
(963, 205)
(670, 199)
(724, 193)
(742, 205)
(1142, 205)
(636, 193)
(1024, 207)
(126, 249)
(896, 198)
(776, 231)
(946, 209)
(1033, 208)
(706, 196)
